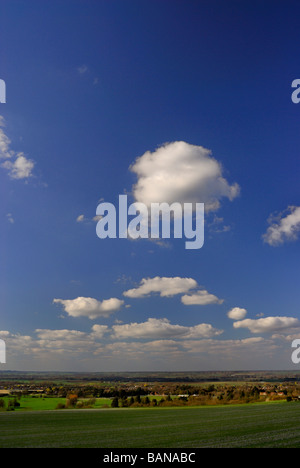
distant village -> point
(125, 394)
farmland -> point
(150, 411)
(31, 403)
(273, 424)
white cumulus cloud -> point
(90, 307)
(98, 331)
(162, 328)
(268, 324)
(285, 227)
(20, 168)
(181, 172)
(165, 286)
(201, 297)
(237, 313)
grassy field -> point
(254, 425)
(39, 404)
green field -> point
(39, 404)
(255, 425)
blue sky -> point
(91, 86)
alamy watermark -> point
(296, 94)
(2, 92)
(153, 222)
(2, 352)
(2, 101)
(296, 353)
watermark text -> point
(2, 92)
(2, 352)
(296, 353)
(154, 222)
(296, 94)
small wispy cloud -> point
(16, 163)
(217, 225)
(10, 218)
(83, 219)
(82, 69)
(80, 218)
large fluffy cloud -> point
(165, 286)
(162, 328)
(268, 324)
(90, 307)
(170, 286)
(285, 227)
(181, 172)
